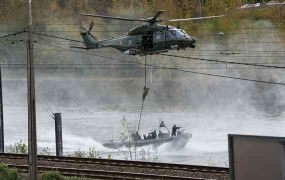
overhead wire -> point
(12, 34)
(203, 55)
(226, 62)
(46, 108)
(170, 68)
(209, 60)
(186, 71)
(80, 41)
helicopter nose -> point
(192, 42)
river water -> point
(94, 101)
(89, 126)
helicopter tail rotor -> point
(91, 26)
(84, 30)
(89, 40)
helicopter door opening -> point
(147, 41)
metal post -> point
(58, 134)
(32, 131)
(1, 116)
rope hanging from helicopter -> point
(145, 93)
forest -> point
(62, 18)
(67, 11)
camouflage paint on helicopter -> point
(149, 38)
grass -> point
(7, 173)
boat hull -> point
(178, 141)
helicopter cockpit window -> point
(184, 33)
(169, 34)
(178, 33)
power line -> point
(73, 40)
(57, 37)
(203, 55)
(138, 24)
(202, 59)
(46, 108)
(109, 67)
(186, 71)
(12, 34)
(226, 62)
(201, 42)
(125, 31)
(170, 68)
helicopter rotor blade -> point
(158, 13)
(112, 17)
(192, 19)
(155, 19)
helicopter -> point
(147, 39)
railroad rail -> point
(155, 170)
(88, 173)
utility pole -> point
(58, 134)
(1, 116)
(32, 130)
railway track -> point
(91, 167)
(99, 174)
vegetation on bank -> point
(61, 18)
(67, 12)
(54, 175)
(20, 147)
(7, 173)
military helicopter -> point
(149, 38)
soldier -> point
(174, 130)
(145, 92)
(154, 135)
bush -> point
(18, 148)
(51, 175)
(8, 173)
(46, 151)
(93, 153)
(78, 153)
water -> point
(208, 107)
(85, 127)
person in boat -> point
(174, 130)
(136, 136)
(152, 135)
(162, 124)
(160, 135)
(162, 127)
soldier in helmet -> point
(174, 130)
